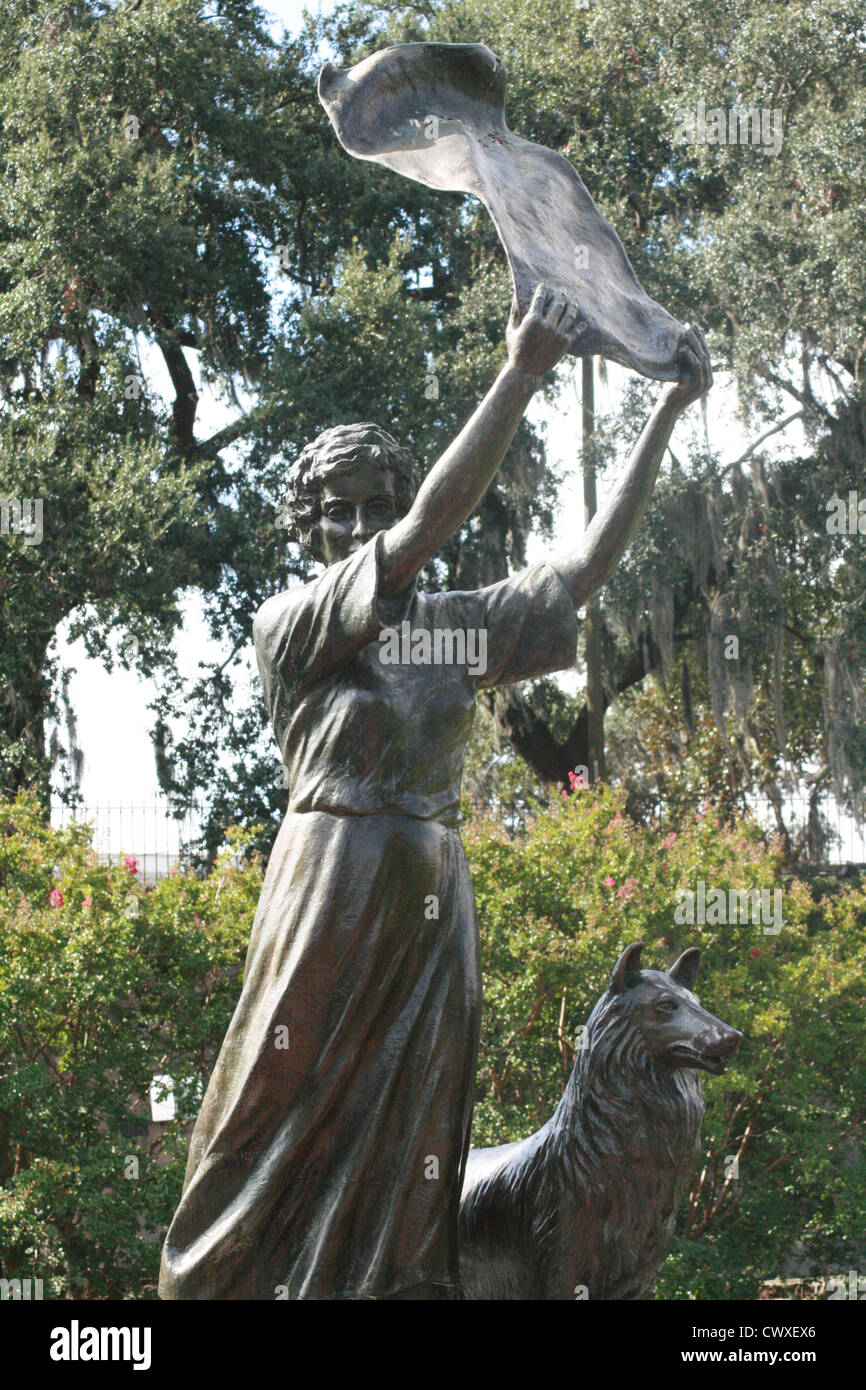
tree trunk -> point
(25, 699)
(592, 630)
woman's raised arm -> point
(457, 482)
(586, 569)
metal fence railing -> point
(843, 836)
(156, 838)
(147, 831)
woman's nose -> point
(361, 526)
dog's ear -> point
(627, 969)
(685, 970)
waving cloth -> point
(434, 112)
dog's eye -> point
(666, 1006)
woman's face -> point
(354, 506)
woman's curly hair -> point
(339, 451)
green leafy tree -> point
(119, 229)
(174, 198)
(759, 244)
(166, 241)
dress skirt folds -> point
(328, 1156)
(326, 1165)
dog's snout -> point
(725, 1043)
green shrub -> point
(113, 985)
(103, 986)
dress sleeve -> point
(530, 625)
(304, 634)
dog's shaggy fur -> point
(586, 1206)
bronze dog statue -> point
(585, 1208)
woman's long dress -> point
(328, 1156)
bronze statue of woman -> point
(328, 1156)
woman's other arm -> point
(457, 482)
(610, 531)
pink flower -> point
(741, 844)
(668, 841)
(56, 898)
(88, 902)
(130, 863)
(625, 890)
(576, 780)
(610, 881)
(172, 873)
(617, 820)
(756, 952)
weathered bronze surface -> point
(435, 113)
(585, 1207)
(327, 1161)
(331, 1168)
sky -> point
(111, 707)
(287, 14)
